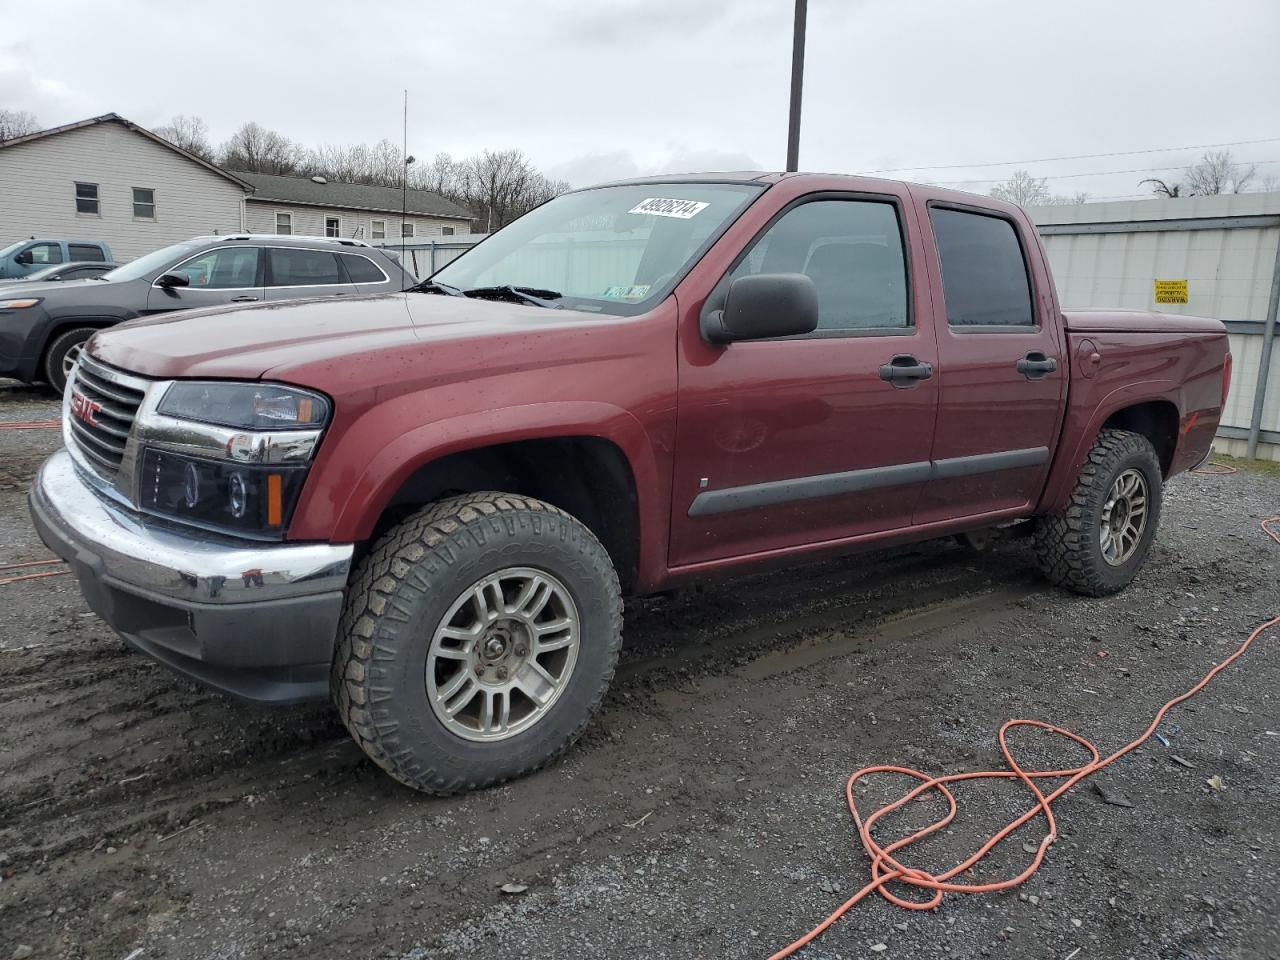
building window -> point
(144, 203)
(377, 229)
(406, 230)
(284, 224)
(446, 231)
(87, 198)
(332, 227)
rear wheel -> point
(62, 355)
(478, 639)
(1098, 543)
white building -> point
(111, 180)
(316, 207)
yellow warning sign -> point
(1171, 291)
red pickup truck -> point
(429, 505)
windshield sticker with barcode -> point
(636, 292)
(660, 207)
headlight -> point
(247, 499)
(21, 304)
(246, 406)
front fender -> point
(354, 479)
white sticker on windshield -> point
(659, 207)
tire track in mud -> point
(164, 752)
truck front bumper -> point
(254, 620)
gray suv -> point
(42, 326)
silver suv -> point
(42, 326)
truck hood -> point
(1137, 321)
(271, 339)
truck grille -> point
(103, 406)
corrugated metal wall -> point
(1225, 247)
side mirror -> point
(173, 280)
(762, 307)
(24, 258)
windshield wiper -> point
(535, 295)
(435, 286)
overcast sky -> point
(596, 89)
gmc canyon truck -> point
(428, 505)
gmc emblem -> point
(84, 408)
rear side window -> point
(362, 269)
(303, 268)
(87, 252)
(851, 250)
(984, 274)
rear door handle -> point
(1036, 366)
(244, 299)
(903, 371)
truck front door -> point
(1003, 369)
(796, 441)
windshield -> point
(11, 248)
(613, 250)
(152, 261)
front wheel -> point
(62, 355)
(1097, 544)
(478, 639)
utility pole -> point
(404, 176)
(797, 81)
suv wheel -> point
(62, 355)
(1097, 544)
(478, 639)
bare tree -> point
(190, 133)
(255, 149)
(1023, 189)
(17, 123)
(1162, 188)
(1218, 172)
(496, 185)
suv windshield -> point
(152, 261)
(613, 250)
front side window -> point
(303, 268)
(617, 250)
(284, 224)
(406, 230)
(851, 250)
(984, 275)
(362, 269)
(378, 229)
(87, 252)
(87, 198)
(45, 253)
(226, 268)
(144, 203)
(332, 227)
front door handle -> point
(244, 299)
(1036, 366)
(903, 371)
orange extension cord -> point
(29, 424)
(886, 869)
(31, 576)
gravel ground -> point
(703, 813)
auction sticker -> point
(661, 207)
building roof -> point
(143, 131)
(350, 196)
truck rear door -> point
(795, 441)
(1002, 362)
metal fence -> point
(1215, 256)
(423, 257)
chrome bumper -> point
(255, 620)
